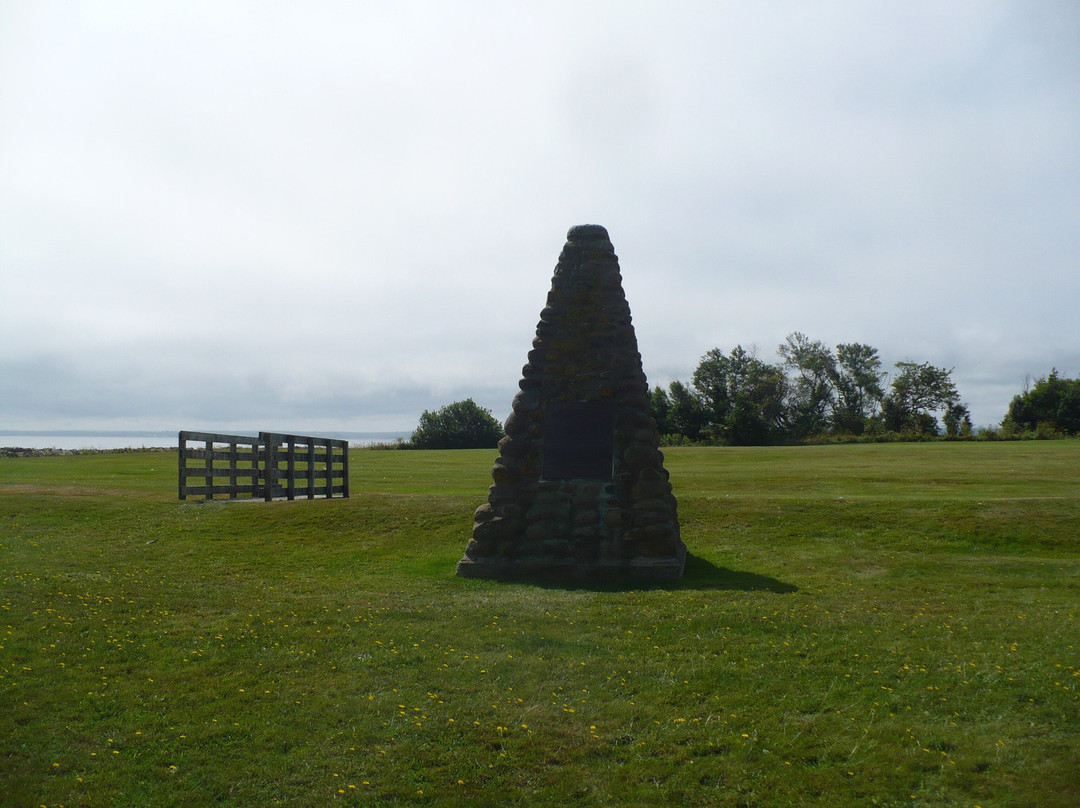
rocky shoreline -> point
(18, 451)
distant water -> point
(86, 439)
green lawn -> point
(886, 624)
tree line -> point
(812, 393)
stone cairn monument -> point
(580, 491)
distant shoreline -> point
(51, 451)
(22, 442)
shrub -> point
(461, 425)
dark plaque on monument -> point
(580, 490)
(579, 440)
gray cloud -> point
(205, 212)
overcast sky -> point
(334, 215)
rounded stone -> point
(511, 510)
(526, 399)
(649, 489)
(586, 532)
(515, 424)
(495, 529)
(640, 455)
(652, 516)
(474, 548)
(502, 474)
(589, 236)
(658, 547)
(586, 518)
(553, 496)
(541, 512)
(646, 436)
(614, 517)
(556, 548)
(657, 530)
(500, 494)
(588, 491)
(540, 531)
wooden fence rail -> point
(271, 466)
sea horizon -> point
(104, 439)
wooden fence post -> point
(269, 464)
(181, 476)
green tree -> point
(957, 420)
(688, 416)
(916, 393)
(678, 411)
(660, 410)
(1053, 402)
(461, 425)
(711, 382)
(812, 392)
(743, 396)
(858, 387)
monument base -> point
(641, 569)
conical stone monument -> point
(580, 491)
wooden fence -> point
(300, 465)
(271, 466)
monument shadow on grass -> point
(703, 574)
(699, 573)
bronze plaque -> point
(579, 440)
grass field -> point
(859, 625)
